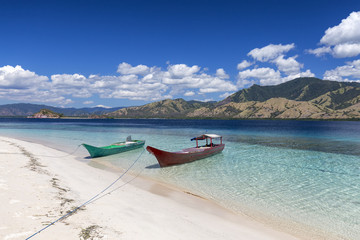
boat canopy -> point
(205, 136)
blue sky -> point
(127, 53)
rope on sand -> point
(94, 198)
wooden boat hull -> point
(113, 148)
(166, 159)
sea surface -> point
(299, 176)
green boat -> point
(114, 148)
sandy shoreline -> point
(37, 187)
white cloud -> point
(289, 65)
(287, 68)
(342, 40)
(206, 100)
(71, 84)
(346, 49)
(18, 78)
(134, 83)
(270, 52)
(158, 84)
(189, 93)
(348, 72)
(80, 93)
(34, 95)
(266, 76)
(66, 80)
(320, 51)
(346, 32)
(181, 77)
(102, 106)
(210, 84)
(179, 71)
(140, 92)
(220, 73)
(125, 68)
(244, 64)
(307, 73)
(242, 83)
(88, 102)
(225, 95)
(23, 85)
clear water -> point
(296, 175)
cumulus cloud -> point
(102, 106)
(181, 71)
(22, 85)
(66, 80)
(244, 64)
(270, 52)
(288, 65)
(19, 78)
(225, 95)
(346, 32)
(177, 79)
(342, 40)
(266, 76)
(348, 72)
(347, 49)
(34, 95)
(319, 51)
(220, 73)
(180, 77)
(133, 82)
(287, 68)
(125, 68)
(189, 93)
(307, 73)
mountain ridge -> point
(299, 89)
(28, 109)
(301, 98)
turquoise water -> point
(299, 176)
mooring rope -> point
(94, 198)
(108, 193)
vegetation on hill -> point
(27, 109)
(46, 113)
(168, 108)
(301, 98)
(299, 89)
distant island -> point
(46, 113)
(301, 98)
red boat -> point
(189, 154)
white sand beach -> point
(37, 186)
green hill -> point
(168, 108)
(301, 98)
(46, 113)
(27, 109)
(300, 89)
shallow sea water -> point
(300, 176)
